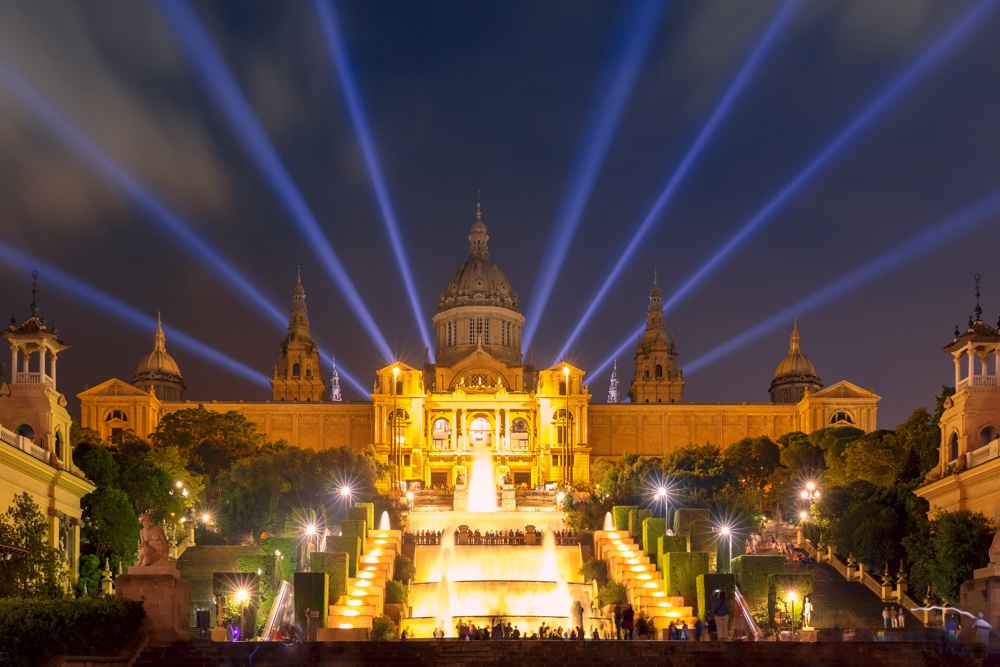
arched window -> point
(519, 435)
(309, 372)
(296, 370)
(480, 433)
(401, 414)
(399, 387)
(658, 371)
(441, 433)
(116, 414)
(60, 454)
(25, 430)
(953, 447)
(988, 435)
(562, 388)
(841, 417)
(645, 373)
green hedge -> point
(396, 592)
(652, 531)
(780, 584)
(359, 528)
(667, 544)
(289, 548)
(336, 566)
(680, 573)
(32, 629)
(350, 545)
(619, 514)
(704, 538)
(312, 592)
(635, 519)
(403, 569)
(364, 511)
(707, 584)
(268, 566)
(683, 518)
(752, 573)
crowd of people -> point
(500, 630)
(564, 537)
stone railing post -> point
(901, 583)
(887, 592)
(852, 568)
(107, 585)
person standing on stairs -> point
(720, 611)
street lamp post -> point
(791, 598)
(394, 448)
(727, 538)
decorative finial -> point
(959, 333)
(655, 281)
(13, 319)
(979, 309)
(34, 293)
(159, 320)
(298, 274)
(479, 211)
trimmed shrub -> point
(595, 570)
(365, 511)
(403, 569)
(312, 593)
(681, 570)
(396, 592)
(667, 544)
(683, 518)
(384, 628)
(289, 548)
(350, 545)
(779, 585)
(752, 573)
(358, 528)
(652, 531)
(704, 538)
(707, 584)
(612, 593)
(619, 514)
(635, 519)
(34, 629)
(266, 567)
(336, 566)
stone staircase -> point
(365, 596)
(644, 585)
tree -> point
(939, 401)
(751, 461)
(696, 471)
(210, 441)
(40, 572)
(97, 463)
(875, 457)
(111, 525)
(920, 436)
(949, 550)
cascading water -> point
(609, 523)
(282, 612)
(482, 485)
(383, 523)
(744, 611)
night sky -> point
(494, 98)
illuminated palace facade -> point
(481, 395)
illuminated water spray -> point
(227, 96)
(735, 88)
(330, 25)
(629, 43)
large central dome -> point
(478, 307)
(478, 282)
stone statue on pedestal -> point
(153, 545)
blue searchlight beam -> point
(627, 50)
(735, 88)
(227, 96)
(947, 230)
(330, 25)
(956, 30)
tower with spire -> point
(657, 378)
(335, 395)
(157, 371)
(296, 376)
(613, 389)
(795, 376)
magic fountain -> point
(525, 584)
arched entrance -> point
(480, 433)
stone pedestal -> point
(461, 502)
(165, 596)
(982, 594)
(507, 499)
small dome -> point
(158, 361)
(478, 282)
(795, 363)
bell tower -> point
(297, 374)
(657, 378)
